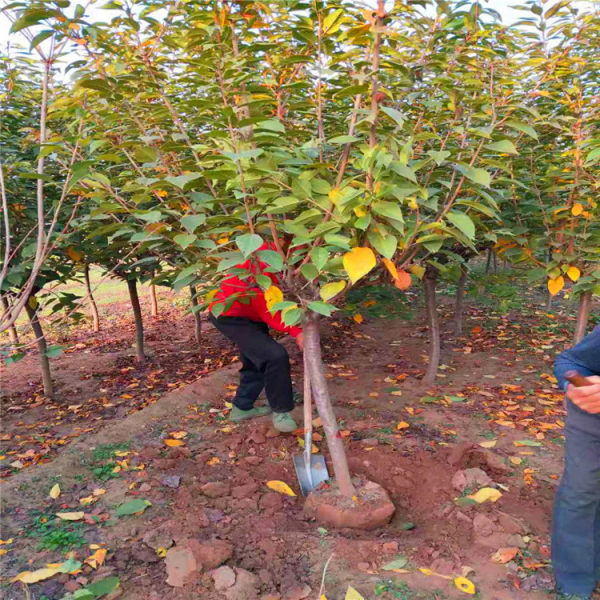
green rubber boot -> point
(237, 414)
(284, 422)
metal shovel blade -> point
(310, 476)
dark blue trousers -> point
(576, 519)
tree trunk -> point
(196, 313)
(488, 264)
(139, 325)
(549, 301)
(12, 330)
(312, 348)
(93, 306)
(495, 259)
(459, 305)
(154, 301)
(40, 339)
(583, 315)
(429, 281)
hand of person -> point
(300, 341)
(586, 397)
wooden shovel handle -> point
(577, 379)
(307, 398)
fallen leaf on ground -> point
(281, 487)
(170, 442)
(402, 425)
(55, 491)
(465, 585)
(352, 594)
(504, 555)
(488, 443)
(178, 435)
(532, 443)
(35, 576)
(71, 516)
(486, 494)
(398, 563)
(96, 559)
(132, 507)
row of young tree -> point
(411, 137)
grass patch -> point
(55, 534)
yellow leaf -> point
(504, 555)
(360, 211)
(426, 571)
(486, 494)
(352, 594)
(96, 559)
(329, 290)
(3, 551)
(465, 585)
(391, 267)
(210, 295)
(55, 491)
(396, 393)
(515, 460)
(358, 318)
(556, 284)
(178, 435)
(99, 491)
(573, 273)
(169, 442)
(334, 194)
(8, 541)
(122, 453)
(35, 576)
(358, 262)
(403, 425)
(301, 443)
(162, 552)
(281, 487)
(323, 597)
(488, 443)
(74, 255)
(403, 281)
(87, 500)
(215, 460)
(223, 240)
(273, 295)
(417, 270)
(71, 516)
(577, 209)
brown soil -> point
(410, 444)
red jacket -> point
(256, 309)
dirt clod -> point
(212, 554)
(181, 566)
(245, 587)
(371, 509)
(223, 577)
(216, 489)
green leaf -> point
(184, 239)
(332, 289)
(40, 37)
(394, 114)
(319, 257)
(54, 351)
(343, 139)
(182, 180)
(323, 308)
(384, 244)
(103, 586)
(292, 316)
(476, 175)
(531, 443)
(462, 222)
(388, 209)
(248, 243)
(398, 563)
(523, 127)
(333, 21)
(31, 17)
(272, 258)
(132, 507)
(404, 171)
(192, 222)
(16, 357)
(264, 281)
(309, 271)
(271, 125)
(503, 146)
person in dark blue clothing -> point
(576, 518)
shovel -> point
(311, 469)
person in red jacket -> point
(245, 320)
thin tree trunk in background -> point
(93, 306)
(314, 361)
(139, 324)
(429, 281)
(154, 301)
(196, 313)
(583, 315)
(549, 299)
(40, 339)
(12, 330)
(459, 305)
(488, 263)
(495, 259)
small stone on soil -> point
(224, 577)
